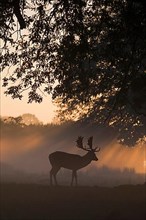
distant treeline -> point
(14, 126)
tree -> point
(29, 119)
(8, 9)
(12, 121)
(95, 51)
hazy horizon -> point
(27, 150)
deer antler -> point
(80, 143)
(90, 140)
(90, 143)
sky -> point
(44, 111)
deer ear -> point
(97, 149)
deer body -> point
(69, 161)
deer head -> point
(90, 149)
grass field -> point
(39, 202)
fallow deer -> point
(72, 162)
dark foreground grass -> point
(38, 202)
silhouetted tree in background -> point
(90, 55)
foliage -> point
(9, 8)
(90, 55)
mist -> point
(25, 150)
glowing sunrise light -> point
(144, 164)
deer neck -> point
(86, 159)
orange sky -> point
(44, 111)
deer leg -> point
(53, 173)
(55, 180)
(72, 179)
(75, 175)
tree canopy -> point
(89, 55)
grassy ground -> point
(38, 202)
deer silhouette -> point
(72, 162)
